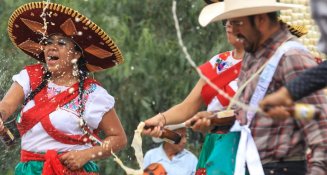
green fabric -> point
(36, 167)
(208, 146)
(222, 159)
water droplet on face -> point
(100, 153)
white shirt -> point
(97, 103)
(184, 163)
(215, 104)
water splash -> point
(137, 145)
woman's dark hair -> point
(81, 79)
(82, 75)
(272, 16)
(45, 79)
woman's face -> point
(231, 38)
(59, 53)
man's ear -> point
(262, 19)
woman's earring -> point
(75, 67)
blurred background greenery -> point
(154, 76)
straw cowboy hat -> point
(238, 8)
(170, 127)
(27, 31)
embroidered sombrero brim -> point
(27, 31)
(295, 29)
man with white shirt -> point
(174, 158)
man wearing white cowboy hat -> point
(174, 158)
(273, 57)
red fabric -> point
(201, 171)
(227, 89)
(52, 164)
(318, 60)
(44, 106)
(309, 159)
(224, 55)
(35, 73)
(220, 80)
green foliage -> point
(155, 75)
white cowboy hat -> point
(170, 127)
(238, 8)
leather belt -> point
(296, 157)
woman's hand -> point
(202, 124)
(157, 122)
(75, 160)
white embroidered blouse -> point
(97, 102)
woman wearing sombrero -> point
(63, 110)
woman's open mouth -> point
(51, 60)
(53, 57)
